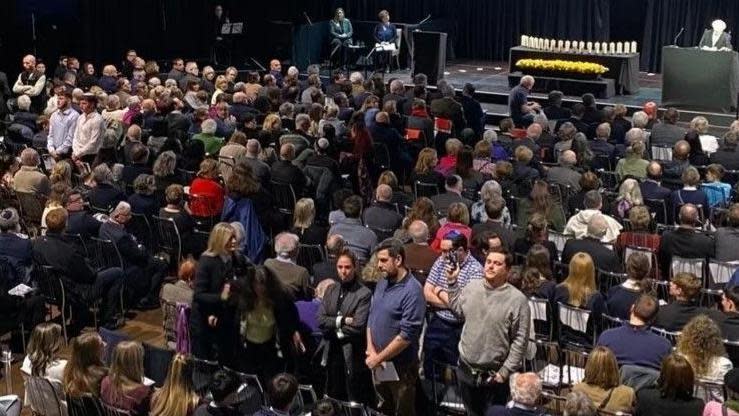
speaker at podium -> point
(429, 55)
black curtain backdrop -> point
(665, 18)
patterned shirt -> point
(469, 269)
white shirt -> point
(29, 90)
(716, 37)
(62, 125)
(88, 134)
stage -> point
(491, 82)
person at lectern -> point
(341, 36)
(716, 38)
(217, 21)
(385, 35)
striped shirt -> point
(469, 269)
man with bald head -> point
(686, 240)
(261, 170)
(604, 258)
(382, 217)
(673, 170)
(420, 255)
(651, 187)
(565, 174)
(521, 109)
(31, 83)
(283, 170)
(275, 69)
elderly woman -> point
(206, 192)
(304, 223)
(709, 143)
(104, 195)
(164, 171)
(482, 161)
(633, 164)
(489, 190)
(525, 392)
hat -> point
(8, 219)
(731, 380)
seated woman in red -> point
(206, 192)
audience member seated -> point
(457, 219)
(294, 279)
(209, 191)
(104, 196)
(620, 125)
(174, 209)
(523, 173)
(382, 217)
(633, 343)
(29, 178)
(633, 163)
(604, 151)
(697, 156)
(425, 169)
(667, 133)
(222, 386)
(701, 343)
(281, 392)
(494, 213)
(727, 238)
(304, 223)
(285, 172)
(525, 395)
(728, 155)
(472, 180)
(602, 383)
(536, 278)
(85, 369)
(420, 255)
(207, 135)
(718, 192)
(540, 201)
(577, 225)
(589, 181)
(144, 272)
(685, 241)
(358, 238)
(177, 395)
(123, 388)
(728, 407)
(685, 290)
(621, 297)
(690, 194)
(639, 235)
(673, 394)
(604, 258)
(651, 187)
(260, 168)
(579, 290)
(730, 306)
(139, 164)
(327, 269)
(43, 357)
(565, 174)
(629, 195)
(15, 248)
(142, 200)
(555, 111)
(85, 285)
(536, 232)
(673, 170)
(181, 291)
(453, 187)
(708, 142)
(489, 190)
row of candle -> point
(578, 46)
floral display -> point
(557, 65)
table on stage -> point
(622, 68)
(698, 79)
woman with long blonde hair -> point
(304, 223)
(701, 343)
(176, 397)
(580, 290)
(425, 172)
(123, 387)
(85, 369)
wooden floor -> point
(144, 326)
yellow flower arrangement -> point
(557, 65)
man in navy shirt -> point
(393, 329)
(522, 111)
(633, 343)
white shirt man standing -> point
(88, 134)
(62, 125)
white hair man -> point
(420, 256)
(565, 174)
(521, 109)
(603, 257)
(191, 74)
(295, 279)
(208, 136)
(29, 179)
(144, 273)
(30, 82)
(525, 392)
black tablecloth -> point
(623, 68)
(698, 79)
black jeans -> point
(399, 397)
(479, 396)
(441, 344)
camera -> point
(451, 257)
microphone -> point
(674, 41)
(307, 18)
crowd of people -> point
(369, 238)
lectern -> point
(429, 55)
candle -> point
(620, 47)
(633, 47)
(589, 47)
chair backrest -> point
(202, 374)
(140, 228)
(542, 319)
(709, 390)
(310, 254)
(32, 206)
(10, 405)
(670, 335)
(156, 363)
(651, 256)
(425, 189)
(558, 239)
(574, 365)
(50, 286)
(85, 405)
(607, 279)
(284, 197)
(201, 204)
(609, 179)
(575, 319)
(658, 207)
(695, 266)
(732, 349)
(722, 271)
(250, 395)
(609, 321)
(78, 242)
(169, 236)
(662, 152)
(44, 397)
(554, 402)
(105, 254)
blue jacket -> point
(242, 210)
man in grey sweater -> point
(495, 332)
